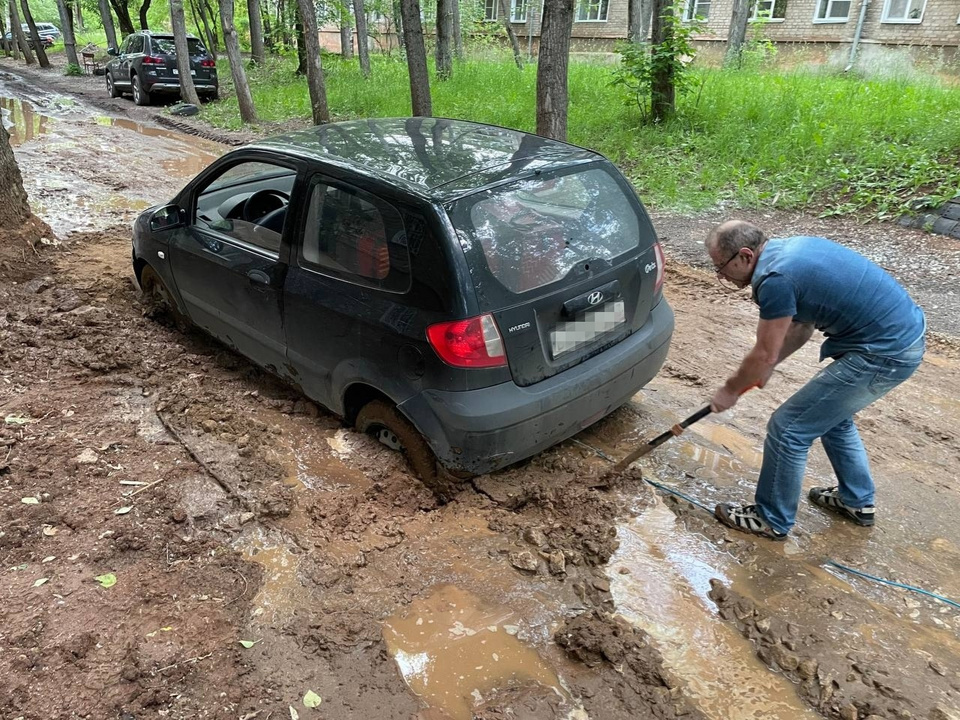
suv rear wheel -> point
(111, 87)
(384, 422)
(140, 96)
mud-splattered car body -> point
(496, 290)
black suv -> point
(463, 292)
(146, 65)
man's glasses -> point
(725, 282)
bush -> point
(73, 69)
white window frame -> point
(755, 13)
(828, 20)
(602, 5)
(518, 11)
(496, 10)
(690, 9)
(885, 18)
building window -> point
(903, 11)
(490, 10)
(592, 10)
(775, 10)
(832, 11)
(518, 11)
(696, 9)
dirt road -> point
(227, 509)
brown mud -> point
(228, 508)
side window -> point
(355, 236)
(125, 45)
(247, 202)
(136, 44)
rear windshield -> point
(168, 47)
(535, 231)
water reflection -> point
(22, 121)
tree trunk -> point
(738, 32)
(232, 43)
(552, 69)
(663, 101)
(514, 43)
(256, 32)
(363, 46)
(283, 20)
(14, 209)
(444, 57)
(346, 36)
(398, 21)
(635, 21)
(3, 34)
(188, 92)
(315, 81)
(69, 42)
(143, 14)
(79, 15)
(301, 46)
(19, 38)
(123, 16)
(416, 58)
(646, 13)
(107, 19)
(37, 45)
(268, 39)
(211, 12)
(199, 16)
(457, 31)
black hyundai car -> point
(145, 65)
(468, 294)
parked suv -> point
(47, 38)
(468, 294)
(146, 65)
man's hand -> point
(723, 399)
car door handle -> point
(258, 277)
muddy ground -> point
(227, 509)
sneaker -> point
(829, 499)
(747, 519)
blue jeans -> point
(824, 408)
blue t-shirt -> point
(852, 300)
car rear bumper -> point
(174, 87)
(483, 430)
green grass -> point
(824, 142)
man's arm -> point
(797, 336)
(756, 367)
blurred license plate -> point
(177, 72)
(574, 334)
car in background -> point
(49, 30)
(467, 294)
(46, 38)
(145, 65)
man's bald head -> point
(726, 239)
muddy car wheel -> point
(111, 87)
(158, 301)
(140, 96)
(384, 422)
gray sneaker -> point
(746, 518)
(829, 499)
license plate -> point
(177, 72)
(573, 334)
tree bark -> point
(14, 209)
(143, 14)
(457, 31)
(416, 58)
(256, 32)
(301, 45)
(268, 39)
(123, 16)
(79, 15)
(363, 47)
(635, 21)
(19, 38)
(315, 80)
(107, 19)
(199, 16)
(662, 87)
(247, 111)
(3, 34)
(444, 56)
(508, 26)
(188, 91)
(69, 42)
(646, 13)
(738, 32)
(211, 12)
(37, 45)
(398, 22)
(346, 36)
(552, 68)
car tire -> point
(111, 87)
(140, 96)
(383, 421)
(158, 301)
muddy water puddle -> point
(664, 592)
(280, 592)
(453, 650)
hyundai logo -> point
(595, 297)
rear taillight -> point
(658, 252)
(153, 60)
(471, 343)
(207, 63)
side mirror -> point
(112, 51)
(167, 218)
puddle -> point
(22, 121)
(193, 153)
(665, 594)
(453, 649)
(744, 448)
(280, 592)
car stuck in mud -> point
(470, 295)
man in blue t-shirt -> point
(874, 335)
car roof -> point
(437, 158)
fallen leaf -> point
(166, 629)
(107, 581)
(49, 558)
(249, 643)
(151, 634)
(41, 581)
(49, 530)
(294, 715)
(311, 699)
(30, 501)
(18, 420)
(123, 510)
